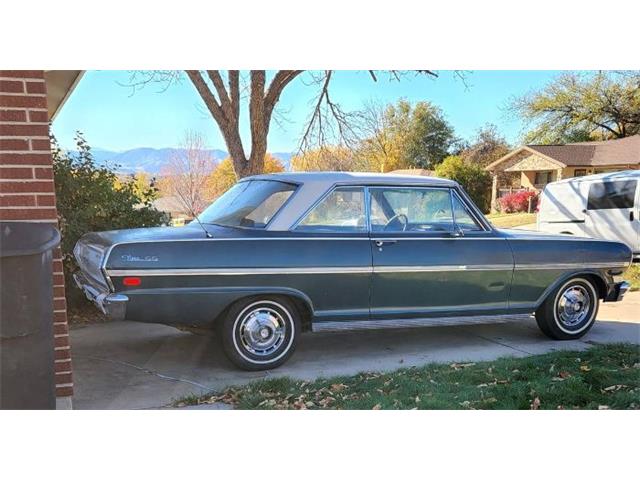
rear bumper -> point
(617, 292)
(114, 305)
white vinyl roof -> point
(354, 178)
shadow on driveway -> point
(127, 365)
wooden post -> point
(494, 192)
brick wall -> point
(26, 185)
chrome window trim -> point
(473, 209)
(484, 228)
(454, 191)
(322, 198)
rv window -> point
(608, 195)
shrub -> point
(473, 178)
(90, 197)
(518, 201)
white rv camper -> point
(605, 206)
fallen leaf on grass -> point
(564, 375)
(604, 407)
(585, 368)
(325, 402)
(614, 388)
(377, 406)
(458, 366)
(535, 405)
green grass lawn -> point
(508, 220)
(632, 275)
(605, 376)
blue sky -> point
(114, 118)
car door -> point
(611, 211)
(432, 257)
(332, 244)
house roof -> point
(60, 85)
(623, 151)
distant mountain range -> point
(153, 160)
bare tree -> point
(187, 172)
(222, 94)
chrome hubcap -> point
(262, 331)
(574, 306)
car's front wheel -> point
(570, 310)
(260, 333)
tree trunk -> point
(225, 110)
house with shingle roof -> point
(531, 167)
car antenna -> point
(206, 232)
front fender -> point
(605, 282)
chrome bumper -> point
(617, 292)
(114, 305)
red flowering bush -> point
(519, 201)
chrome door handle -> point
(379, 242)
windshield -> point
(248, 204)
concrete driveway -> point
(126, 365)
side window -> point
(464, 220)
(611, 195)
(340, 211)
(410, 210)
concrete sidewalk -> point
(126, 365)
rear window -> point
(251, 203)
(612, 195)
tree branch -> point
(234, 94)
(225, 101)
(207, 96)
(279, 82)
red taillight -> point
(131, 281)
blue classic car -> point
(278, 255)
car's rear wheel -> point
(260, 333)
(570, 310)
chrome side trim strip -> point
(440, 268)
(160, 272)
(569, 266)
(416, 322)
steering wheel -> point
(398, 216)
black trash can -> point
(27, 379)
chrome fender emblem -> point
(135, 258)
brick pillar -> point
(26, 188)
